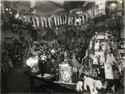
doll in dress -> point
(107, 35)
(95, 60)
(97, 45)
(103, 46)
(102, 59)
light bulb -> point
(77, 20)
(10, 12)
(120, 1)
(17, 15)
(23, 16)
(7, 9)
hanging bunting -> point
(28, 18)
(58, 20)
(49, 22)
(86, 15)
(92, 13)
(75, 23)
(72, 20)
(55, 20)
(42, 22)
(96, 12)
(61, 20)
(83, 19)
(89, 14)
(80, 21)
(66, 18)
(37, 21)
(25, 18)
(45, 20)
(33, 19)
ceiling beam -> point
(54, 3)
(85, 4)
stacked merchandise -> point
(103, 52)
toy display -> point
(65, 72)
(104, 53)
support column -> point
(123, 32)
(100, 21)
(33, 30)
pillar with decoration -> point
(33, 11)
(100, 20)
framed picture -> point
(65, 73)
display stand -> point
(101, 47)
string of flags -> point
(63, 18)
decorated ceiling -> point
(47, 7)
(78, 16)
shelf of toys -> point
(103, 55)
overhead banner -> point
(66, 19)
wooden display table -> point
(51, 85)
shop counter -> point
(51, 85)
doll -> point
(106, 35)
(97, 45)
(42, 64)
(95, 60)
(103, 46)
(102, 59)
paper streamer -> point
(66, 19)
(37, 21)
(33, 19)
(49, 22)
(55, 21)
(42, 22)
(45, 20)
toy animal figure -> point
(80, 71)
(79, 86)
(92, 84)
(109, 85)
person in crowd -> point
(6, 66)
